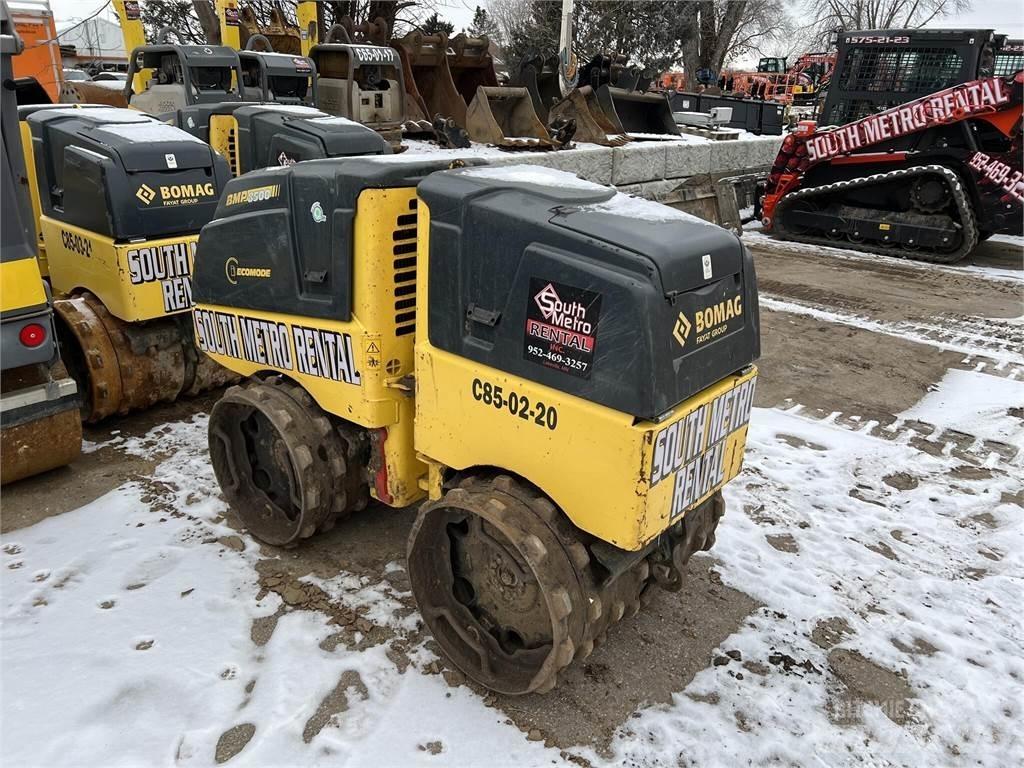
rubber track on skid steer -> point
(963, 205)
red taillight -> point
(32, 335)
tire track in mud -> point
(994, 343)
(987, 454)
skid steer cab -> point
(563, 373)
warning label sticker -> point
(561, 327)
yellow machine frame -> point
(376, 396)
(135, 281)
(21, 285)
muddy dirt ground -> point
(861, 336)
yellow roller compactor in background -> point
(119, 199)
(562, 373)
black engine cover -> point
(620, 301)
(123, 174)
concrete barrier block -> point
(738, 156)
(638, 161)
(683, 159)
(589, 161)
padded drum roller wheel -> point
(283, 466)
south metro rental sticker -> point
(561, 327)
(690, 453)
(170, 266)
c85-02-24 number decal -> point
(515, 404)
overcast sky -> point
(1002, 15)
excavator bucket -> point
(592, 124)
(428, 81)
(471, 65)
(282, 36)
(638, 114)
(505, 118)
(539, 75)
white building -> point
(98, 45)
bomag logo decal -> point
(692, 450)
(76, 243)
(707, 323)
(317, 352)
(146, 194)
(681, 331)
(232, 271)
(254, 195)
(177, 194)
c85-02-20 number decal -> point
(515, 404)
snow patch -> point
(974, 403)
(533, 174)
(926, 577)
(644, 210)
(148, 131)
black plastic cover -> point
(617, 273)
(298, 222)
(123, 174)
(283, 134)
(272, 135)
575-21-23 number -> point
(515, 404)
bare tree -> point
(714, 32)
(178, 16)
(658, 34)
(831, 15)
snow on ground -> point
(974, 403)
(890, 580)
(924, 581)
(126, 641)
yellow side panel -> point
(135, 281)
(224, 139)
(134, 35)
(227, 12)
(355, 369)
(305, 15)
(623, 482)
(33, 191)
(21, 285)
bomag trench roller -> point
(567, 392)
(119, 199)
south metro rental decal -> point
(561, 327)
(976, 97)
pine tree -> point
(482, 25)
(434, 24)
